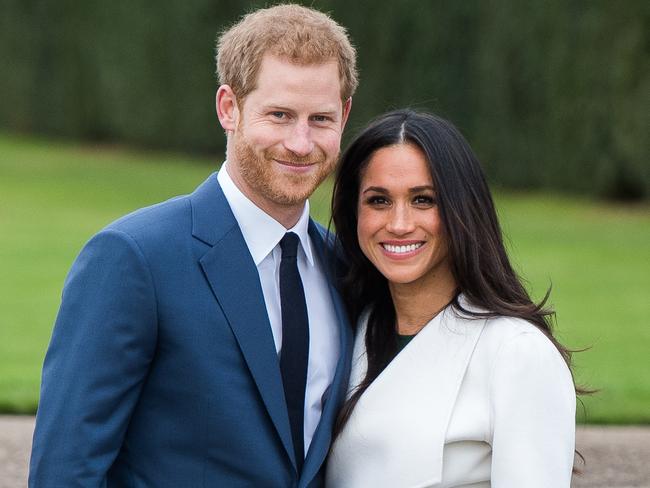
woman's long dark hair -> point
(478, 258)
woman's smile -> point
(402, 249)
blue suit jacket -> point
(162, 370)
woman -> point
(456, 378)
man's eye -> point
(320, 118)
(278, 115)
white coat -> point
(468, 402)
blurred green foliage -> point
(552, 94)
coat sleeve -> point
(533, 415)
(101, 347)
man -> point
(196, 345)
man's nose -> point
(299, 140)
(401, 220)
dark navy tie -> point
(295, 341)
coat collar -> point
(234, 280)
(229, 261)
(320, 444)
(422, 382)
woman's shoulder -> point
(501, 329)
(515, 347)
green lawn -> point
(54, 196)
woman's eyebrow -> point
(417, 189)
(377, 189)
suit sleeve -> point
(533, 415)
(101, 347)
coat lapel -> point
(233, 277)
(323, 435)
(411, 402)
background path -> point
(617, 457)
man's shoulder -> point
(332, 254)
(327, 240)
(160, 218)
(321, 231)
(170, 217)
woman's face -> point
(399, 227)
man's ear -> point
(346, 111)
(227, 108)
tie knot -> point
(289, 245)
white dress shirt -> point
(262, 234)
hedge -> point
(552, 95)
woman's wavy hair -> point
(478, 257)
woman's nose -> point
(400, 221)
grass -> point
(54, 196)
(597, 259)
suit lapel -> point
(234, 280)
(322, 436)
(412, 400)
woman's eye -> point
(424, 200)
(376, 200)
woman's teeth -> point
(401, 249)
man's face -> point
(287, 133)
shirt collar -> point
(261, 231)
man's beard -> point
(263, 177)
